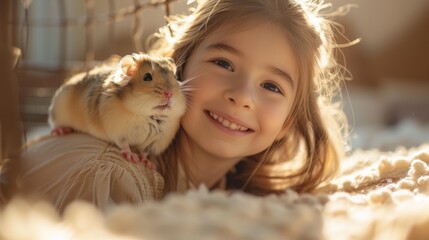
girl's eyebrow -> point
(277, 71)
(286, 76)
(224, 47)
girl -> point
(259, 118)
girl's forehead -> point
(250, 31)
(236, 25)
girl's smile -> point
(228, 124)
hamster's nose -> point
(168, 94)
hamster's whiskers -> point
(188, 89)
(186, 81)
(189, 104)
(188, 96)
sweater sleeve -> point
(78, 166)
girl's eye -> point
(223, 64)
(271, 87)
(147, 77)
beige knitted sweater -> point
(78, 166)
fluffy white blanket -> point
(379, 195)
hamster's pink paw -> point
(132, 157)
(61, 131)
(147, 163)
(143, 156)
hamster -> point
(136, 104)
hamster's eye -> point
(147, 77)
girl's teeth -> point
(228, 124)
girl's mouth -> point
(228, 124)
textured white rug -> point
(379, 195)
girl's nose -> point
(240, 97)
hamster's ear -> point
(170, 60)
(171, 63)
(128, 65)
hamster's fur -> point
(138, 103)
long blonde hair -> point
(311, 151)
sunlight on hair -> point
(323, 60)
(312, 10)
(170, 34)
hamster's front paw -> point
(147, 163)
(130, 156)
(61, 131)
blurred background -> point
(387, 102)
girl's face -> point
(245, 83)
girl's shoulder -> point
(79, 166)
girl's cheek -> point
(277, 109)
(272, 103)
(209, 81)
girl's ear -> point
(128, 65)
